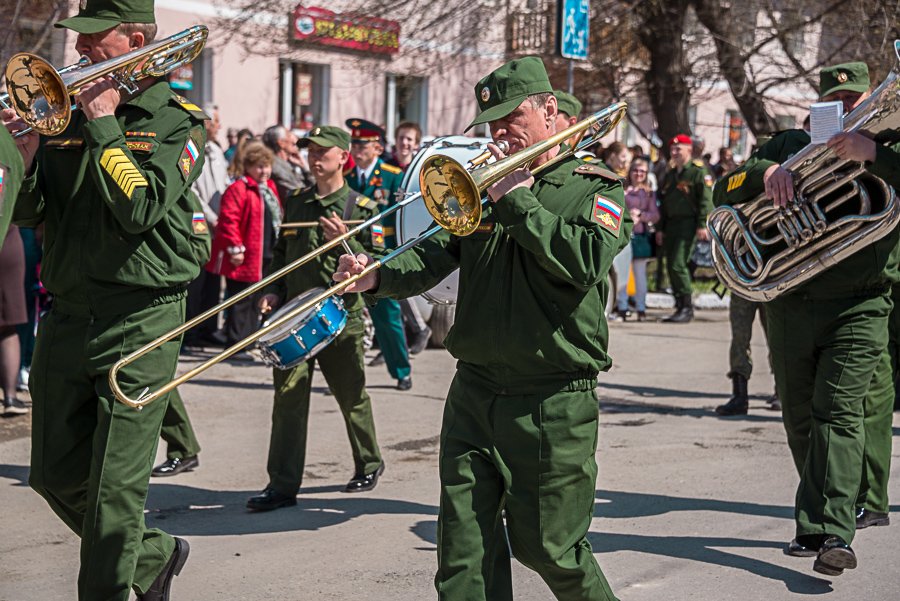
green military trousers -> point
(678, 244)
(91, 455)
(342, 364)
(534, 456)
(741, 314)
(177, 431)
(824, 355)
(387, 318)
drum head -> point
(415, 218)
(289, 306)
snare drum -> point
(301, 338)
(415, 218)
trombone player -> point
(113, 190)
(828, 339)
(520, 424)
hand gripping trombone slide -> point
(453, 196)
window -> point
(407, 100)
(303, 95)
(735, 133)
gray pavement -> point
(689, 505)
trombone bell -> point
(38, 94)
(451, 195)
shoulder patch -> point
(122, 170)
(736, 180)
(377, 236)
(698, 163)
(708, 180)
(191, 153)
(200, 224)
(589, 169)
(190, 107)
(607, 213)
(364, 202)
(391, 169)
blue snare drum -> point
(301, 338)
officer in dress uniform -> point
(828, 338)
(520, 424)
(379, 180)
(113, 191)
(343, 361)
(686, 201)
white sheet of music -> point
(825, 120)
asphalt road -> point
(689, 505)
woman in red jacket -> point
(249, 217)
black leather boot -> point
(685, 313)
(737, 404)
(678, 306)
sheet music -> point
(825, 120)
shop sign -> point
(346, 30)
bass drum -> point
(415, 218)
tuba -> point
(761, 251)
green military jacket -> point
(11, 172)
(686, 196)
(382, 186)
(532, 282)
(114, 195)
(869, 271)
(293, 243)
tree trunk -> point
(724, 29)
(661, 31)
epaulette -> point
(365, 202)
(190, 107)
(299, 191)
(589, 169)
(391, 168)
(699, 163)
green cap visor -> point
(95, 16)
(326, 137)
(501, 92)
(853, 77)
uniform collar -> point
(327, 201)
(368, 172)
(560, 172)
(153, 98)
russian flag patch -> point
(608, 214)
(199, 224)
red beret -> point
(681, 139)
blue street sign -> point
(573, 29)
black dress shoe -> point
(804, 546)
(834, 557)
(404, 383)
(159, 590)
(378, 360)
(270, 499)
(365, 482)
(866, 518)
(176, 465)
(420, 341)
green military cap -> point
(326, 136)
(567, 103)
(503, 90)
(95, 16)
(847, 76)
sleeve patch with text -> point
(122, 170)
(736, 180)
(608, 214)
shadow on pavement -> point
(610, 405)
(618, 504)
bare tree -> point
(29, 26)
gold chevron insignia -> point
(122, 170)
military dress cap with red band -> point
(681, 139)
(365, 131)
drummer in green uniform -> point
(330, 202)
(686, 200)
(113, 191)
(828, 338)
(520, 424)
(381, 181)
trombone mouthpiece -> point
(503, 145)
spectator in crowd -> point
(12, 313)
(232, 136)
(641, 204)
(726, 162)
(617, 157)
(248, 227)
(236, 164)
(32, 242)
(290, 171)
(408, 136)
(698, 145)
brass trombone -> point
(460, 198)
(40, 94)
